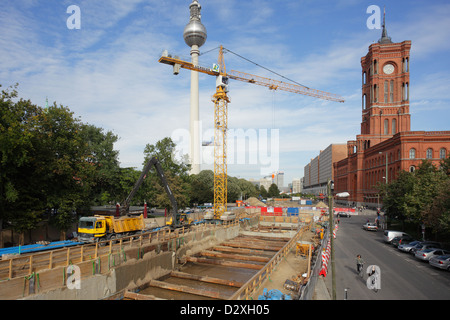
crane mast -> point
(221, 101)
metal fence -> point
(307, 291)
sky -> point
(102, 63)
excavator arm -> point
(152, 162)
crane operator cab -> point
(184, 220)
(222, 82)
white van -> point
(389, 235)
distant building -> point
(276, 178)
(320, 169)
(386, 145)
(296, 185)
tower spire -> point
(384, 35)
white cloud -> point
(108, 74)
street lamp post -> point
(330, 212)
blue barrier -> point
(38, 247)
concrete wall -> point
(138, 266)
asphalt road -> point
(402, 275)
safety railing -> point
(308, 290)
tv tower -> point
(195, 36)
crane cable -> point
(256, 64)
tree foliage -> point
(421, 197)
(273, 190)
(47, 167)
(52, 165)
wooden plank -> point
(207, 253)
(248, 245)
(207, 279)
(225, 263)
(186, 289)
(271, 239)
(138, 296)
(240, 250)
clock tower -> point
(385, 91)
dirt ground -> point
(292, 267)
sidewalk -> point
(321, 290)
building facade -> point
(386, 145)
(320, 169)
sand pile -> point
(252, 201)
(321, 204)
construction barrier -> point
(325, 258)
(326, 254)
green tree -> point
(105, 179)
(233, 189)
(418, 196)
(165, 150)
(273, 190)
(263, 192)
(48, 163)
(176, 172)
(202, 187)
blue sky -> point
(107, 72)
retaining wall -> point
(108, 275)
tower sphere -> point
(195, 32)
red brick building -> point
(386, 143)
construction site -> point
(251, 257)
(259, 251)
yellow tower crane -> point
(221, 101)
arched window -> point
(442, 153)
(394, 126)
(386, 126)
(386, 93)
(412, 169)
(391, 93)
(429, 153)
(412, 153)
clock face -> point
(388, 68)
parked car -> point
(442, 262)
(369, 226)
(408, 246)
(390, 234)
(402, 240)
(424, 245)
(429, 253)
